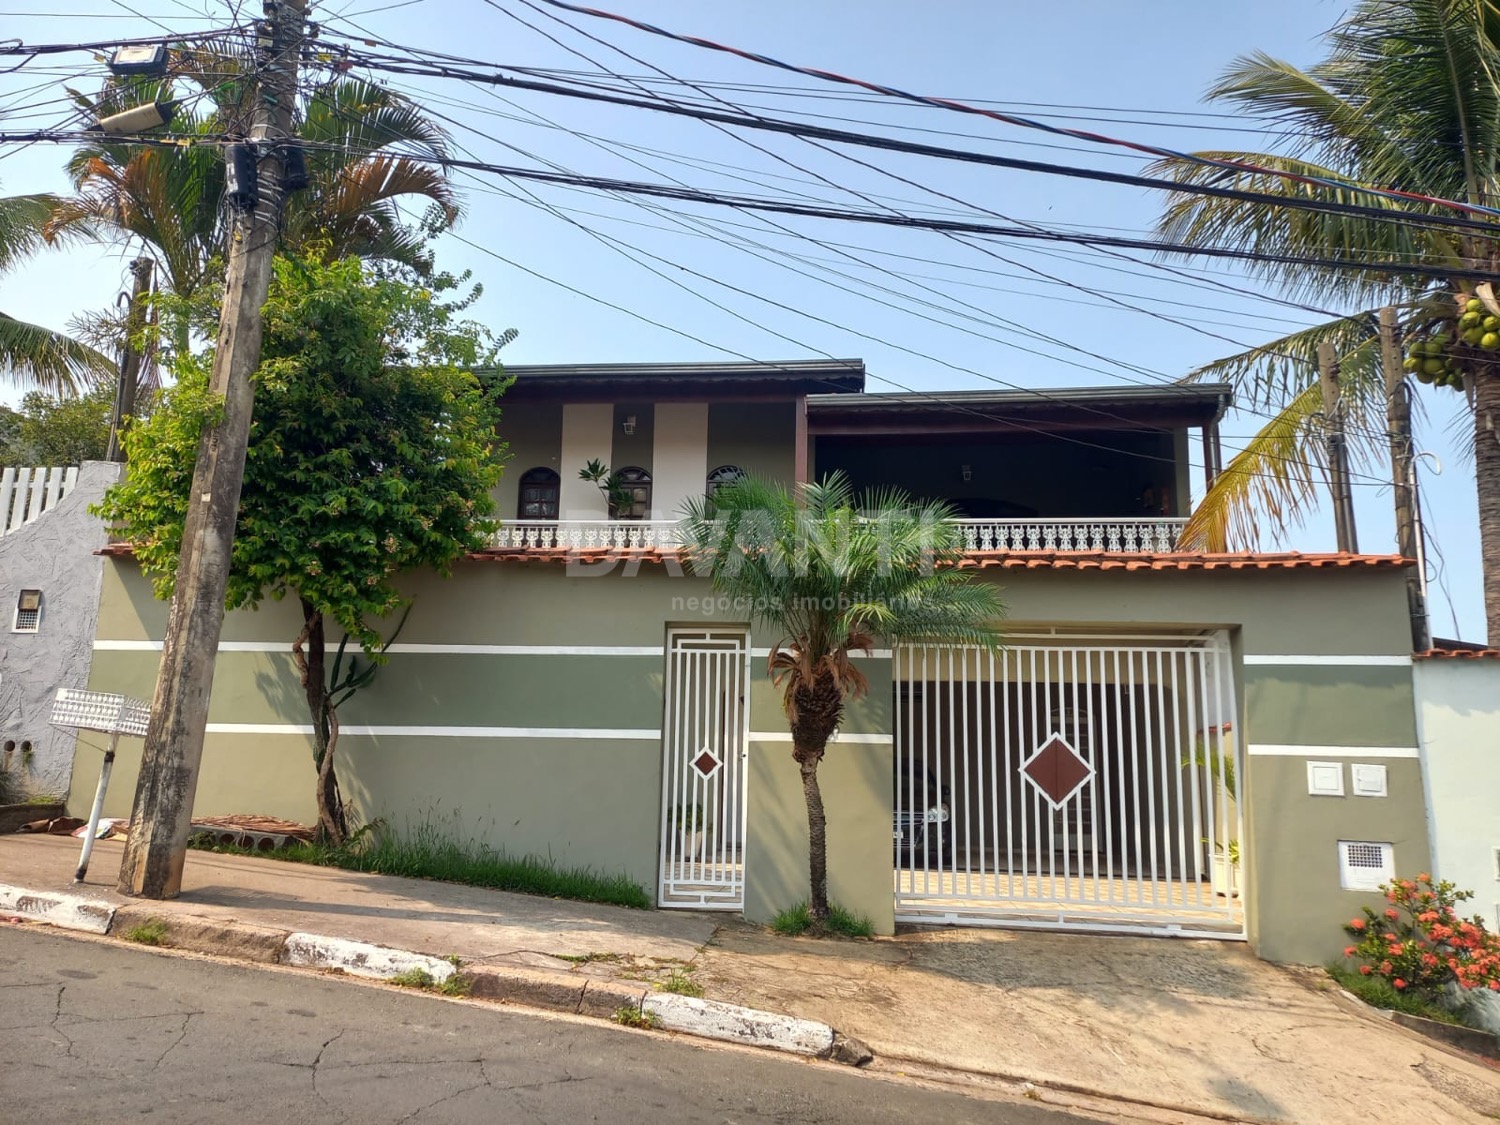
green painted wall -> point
(1276, 611)
(240, 773)
(856, 782)
(1330, 705)
(533, 430)
(598, 801)
(1299, 907)
(756, 436)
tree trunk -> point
(333, 825)
(817, 838)
(816, 706)
(1487, 484)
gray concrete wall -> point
(55, 554)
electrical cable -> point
(1010, 119)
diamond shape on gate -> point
(705, 763)
(1057, 770)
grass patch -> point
(1381, 993)
(153, 931)
(680, 983)
(634, 1017)
(427, 853)
(588, 958)
(454, 984)
(797, 920)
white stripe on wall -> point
(874, 654)
(853, 739)
(1276, 750)
(412, 649)
(608, 734)
(1347, 661)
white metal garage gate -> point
(1078, 781)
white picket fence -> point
(26, 493)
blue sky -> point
(924, 311)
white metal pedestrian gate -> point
(1084, 781)
(703, 769)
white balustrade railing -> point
(585, 534)
(26, 493)
(1117, 535)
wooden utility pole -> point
(130, 359)
(1338, 462)
(159, 822)
(1398, 430)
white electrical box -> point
(1325, 779)
(1365, 865)
(1368, 780)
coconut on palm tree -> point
(830, 573)
(1408, 98)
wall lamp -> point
(968, 472)
(629, 424)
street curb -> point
(532, 988)
(67, 912)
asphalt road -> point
(93, 1032)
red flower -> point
(1424, 878)
(1366, 970)
(1386, 967)
(1357, 924)
(1393, 914)
(1399, 983)
(1349, 951)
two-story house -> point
(1165, 743)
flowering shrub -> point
(1420, 944)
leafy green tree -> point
(57, 430)
(373, 452)
(1408, 98)
(832, 572)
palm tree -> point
(29, 353)
(832, 573)
(1408, 98)
(363, 158)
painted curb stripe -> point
(354, 730)
(412, 649)
(1345, 661)
(67, 912)
(358, 958)
(1271, 750)
(713, 1019)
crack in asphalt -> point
(182, 1033)
(58, 1015)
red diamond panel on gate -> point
(1057, 770)
(705, 763)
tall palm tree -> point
(29, 353)
(1408, 98)
(831, 573)
(364, 144)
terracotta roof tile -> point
(984, 560)
(1016, 560)
(1459, 654)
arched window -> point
(724, 474)
(635, 490)
(539, 494)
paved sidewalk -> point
(1196, 1025)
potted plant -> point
(617, 497)
(687, 825)
(1224, 849)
